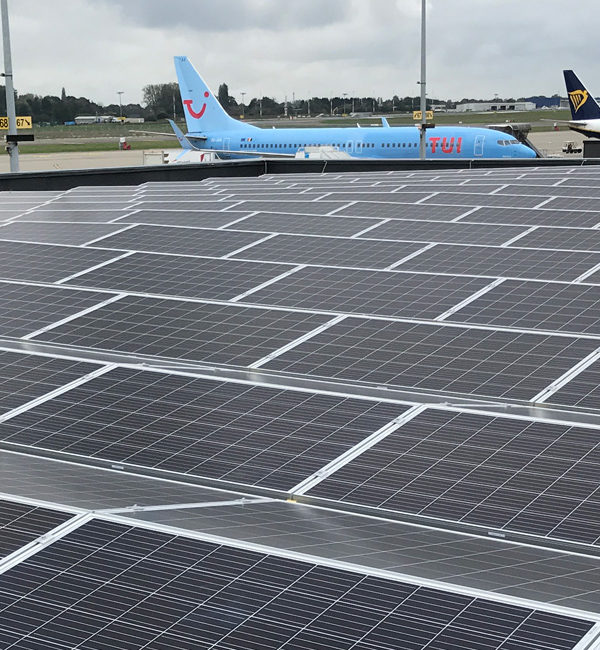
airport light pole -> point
(11, 147)
(423, 133)
(243, 94)
(345, 96)
(120, 92)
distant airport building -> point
(485, 107)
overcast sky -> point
(476, 48)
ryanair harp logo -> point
(578, 98)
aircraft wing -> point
(565, 122)
(264, 154)
(171, 135)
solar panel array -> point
(420, 345)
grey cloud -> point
(233, 15)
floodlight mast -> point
(11, 147)
(423, 132)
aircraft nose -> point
(526, 152)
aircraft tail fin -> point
(183, 141)
(583, 105)
(203, 112)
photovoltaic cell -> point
(565, 238)
(183, 218)
(542, 217)
(186, 330)
(56, 233)
(510, 474)
(172, 275)
(24, 377)
(21, 524)
(557, 190)
(440, 231)
(26, 308)
(536, 305)
(530, 263)
(383, 293)
(221, 430)
(336, 251)
(183, 241)
(46, 263)
(439, 358)
(107, 585)
(304, 225)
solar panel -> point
(505, 200)
(194, 277)
(24, 377)
(557, 190)
(46, 263)
(221, 430)
(291, 207)
(562, 238)
(509, 474)
(542, 217)
(532, 263)
(387, 197)
(431, 357)
(188, 330)
(182, 218)
(383, 293)
(304, 225)
(564, 203)
(536, 305)
(186, 206)
(334, 251)
(21, 524)
(402, 211)
(26, 308)
(583, 391)
(75, 216)
(182, 241)
(56, 233)
(440, 231)
(110, 585)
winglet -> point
(385, 123)
(183, 141)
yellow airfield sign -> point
(418, 115)
(22, 123)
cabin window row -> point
(357, 145)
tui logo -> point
(578, 98)
(188, 103)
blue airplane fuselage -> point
(443, 142)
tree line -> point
(163, 100)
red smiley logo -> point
(192, 112)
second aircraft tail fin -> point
(583, 105)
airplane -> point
(210, 128)
(585, 111)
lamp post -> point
(243, 94)
(422, 135)
(11, 147)
(345, 96)
(120, 92)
